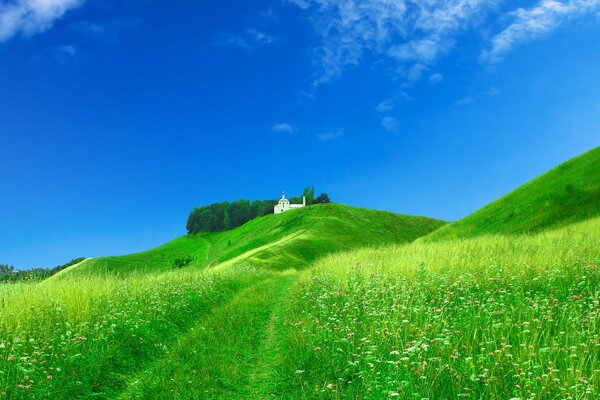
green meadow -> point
(330, 302)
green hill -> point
(289, 240)
(566, 194)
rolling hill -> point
(277, 242)
(332, 302)
(566, 194)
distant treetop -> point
(224, 215)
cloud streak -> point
(283, 128)
(330, 136)
(29, 17)
(247, 41)
(409, 37)
(413, 34)
(390, 124)
(535, 22)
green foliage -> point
(566, 194)
(9, 274)
(309, 195)
(181, 262)
(223, 216)
(322, 198)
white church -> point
(284, 204)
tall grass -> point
(83, 337)
(492, 317)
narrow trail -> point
(231, 353)
(262, 380)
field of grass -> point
(486, 318)
(85, 337)
(109, 327)
(277, 242)
(566, 194)
(330, 302)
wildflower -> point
(49, 377)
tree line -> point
(225, 215)
(8, 273)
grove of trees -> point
(8, 273)
(224, 215)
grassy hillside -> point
(487, 317)
(111, 327)
(289, 240)
(484, 318)
(566, 194)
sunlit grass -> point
(82, 337)
(278, 242)
(493, 317)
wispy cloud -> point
(260, 36)
(436, 78)
(535, 22)
(385, 105)
(390, 124)
(29, 17)
(330, 135)
(413, 34)
(248, 40)
(491, 92)
(465, 101)
(284, 128)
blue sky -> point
(117, 118)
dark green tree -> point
(322, 198)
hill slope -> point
(566, 194)
(289, 240)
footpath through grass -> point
(231, 353)
(276, 242)
(87, 336)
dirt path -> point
(229, 354)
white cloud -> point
(247, 40)
(68, 50)
(390, 124)
(260, 37)
(283, 128)
(29, 17)
(464, 102)
(413, 34)
(303, 4)
(330, 136)
(491, 92)
(385, 105)
(535, 22)
(436, 78)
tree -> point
(323, 198)
(309, 194)
(222, 216)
